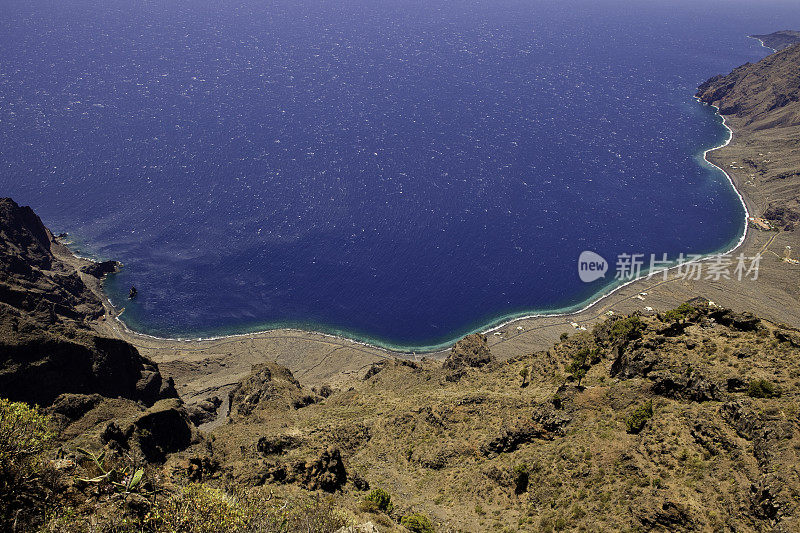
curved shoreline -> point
(762, 43)
(491, 326)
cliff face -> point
(32, 280)
(761, 102)
(764, 94)
(780, 39)
(46, 345)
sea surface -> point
(400, 172)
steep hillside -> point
(780, 39)
(47, 346)
(761, 102)
(764, 94)
(685, 421)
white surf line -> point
(251, 335)
(661, 271)
(443, 347)
(762, 43)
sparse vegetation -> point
(582, 361)
(24, 435)
(638, 419)
(762, 388)
(126, 479)
(378, 499)
(418, 523)
(554, 449)
(679, 313)
(202, 509)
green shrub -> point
(582, 361)
(557, 401)
(627, 329)
(202, 509)
(637, 420)
(199, 509)
(24, 435)
(381, 500)
(679, 313)
(418, 523)
(265, 515)
(761, 388)
(524, 373)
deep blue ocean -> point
(399, 172)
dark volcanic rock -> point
(46, 346)
(100, 270)
(780, 39)
(32, 280)
(74, 406)
(710, 436)
(736, 385)
(112, 433)
(767, 431)
(374, 369)
(738, 321)
(268, 385)
(763, 93)
(634, 362)
(788, 336)
(327, 472)
(278, 444)
(39, 370)
(163, 429)
(205, 411)
(782, 217)
(669, 516)
(545, 423)
(24, 237)
(693, 387)
(471, 351)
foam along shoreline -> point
(762, 43)
(492, 326)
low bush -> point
(198, 509)
(418, 523)
(378, 499)
(637, 420)
(626, 329)
(24, 435)
(761, 388)
(521, 478)
(202, 509)
(679, 313)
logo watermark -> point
(592, 266)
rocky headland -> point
(779, 40)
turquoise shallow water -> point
(401, 173)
